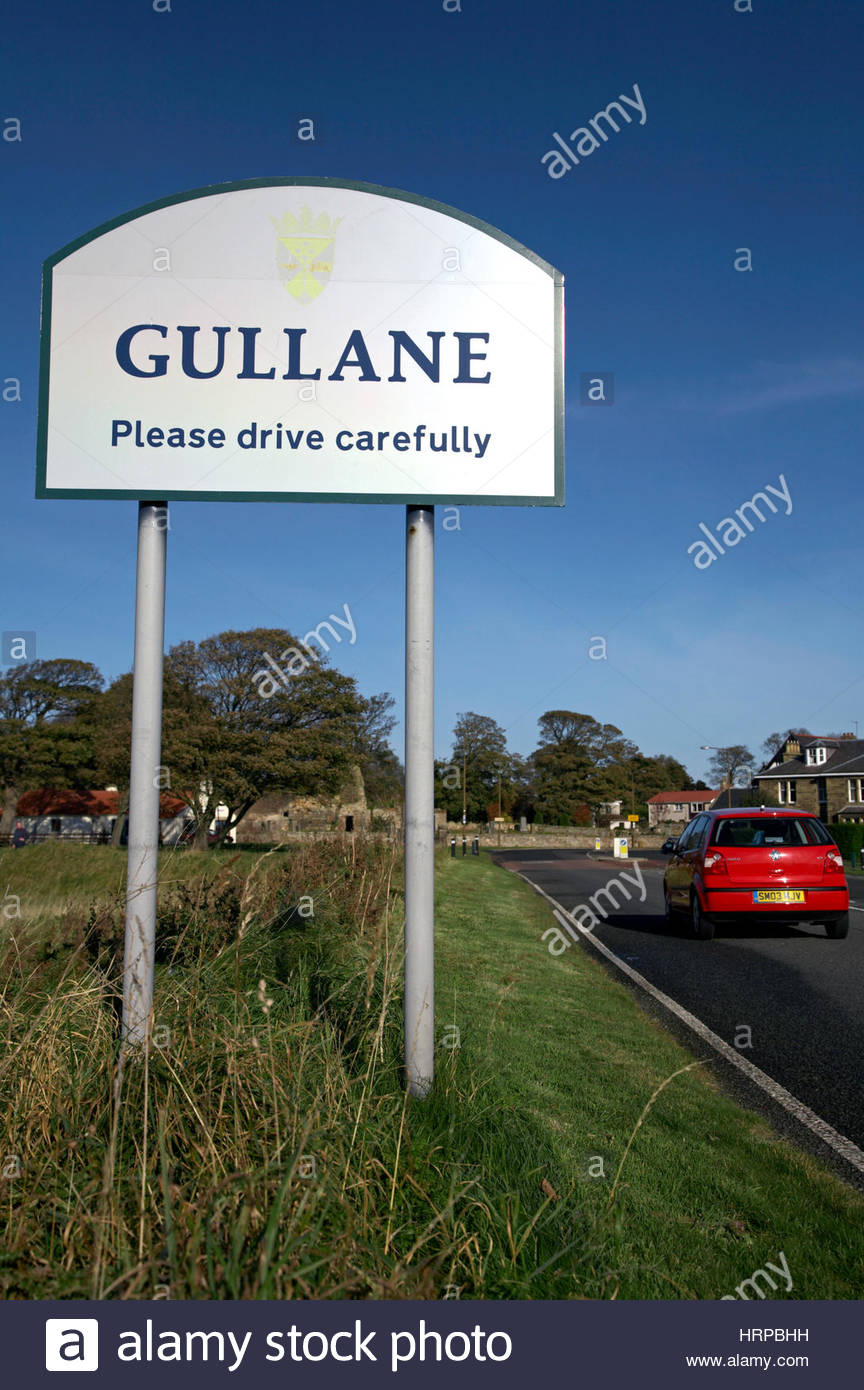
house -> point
(47, 814)
(677, 806)
(819, 773)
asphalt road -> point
(800, 995)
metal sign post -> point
(433, 344)
(419, 800)
(143, 850)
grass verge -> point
(706, 1194)
(265, 1147)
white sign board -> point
(302, 339)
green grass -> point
(266, 1148)
(706, 1195)
(56, 878)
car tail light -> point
(833, 862)
(715, 863)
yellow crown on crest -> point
(307, 224)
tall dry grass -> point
(263, 1146)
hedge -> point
(849, 838)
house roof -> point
(671, 798)
(846, 759)
(49, 801)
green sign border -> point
(416, 499)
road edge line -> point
(796, 1108)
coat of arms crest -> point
(304, 252)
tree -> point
(479, 756)
(604, 744)
(644, 776)
(380, 768)
(731, 765)
(110, 721)
(579, 762)
(59, 689)
(231, 745)
(757, 795)
(519, 788)
(44, 737)
(774, 741)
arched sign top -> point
(301, 339)
(380, 190)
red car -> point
(757, 864)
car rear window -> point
(744, 832)
(820, 835)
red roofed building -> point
(677, 806)
(47, 813)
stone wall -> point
(279, 817)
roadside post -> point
(299, 340)
(144, 784)
(419, 1021)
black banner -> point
(400, 1343)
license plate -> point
(778, 895)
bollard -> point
(475, 845)
(464, 846)
(453, 848)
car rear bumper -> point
(820, 904)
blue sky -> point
(724, 380)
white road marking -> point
(796, 1108)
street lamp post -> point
(715, 748)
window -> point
(693, 834)
(855, 787)
(816, 832)
(745, 832)
(816, 756)
(787, 793)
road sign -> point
(299, 340)
(632, 817)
